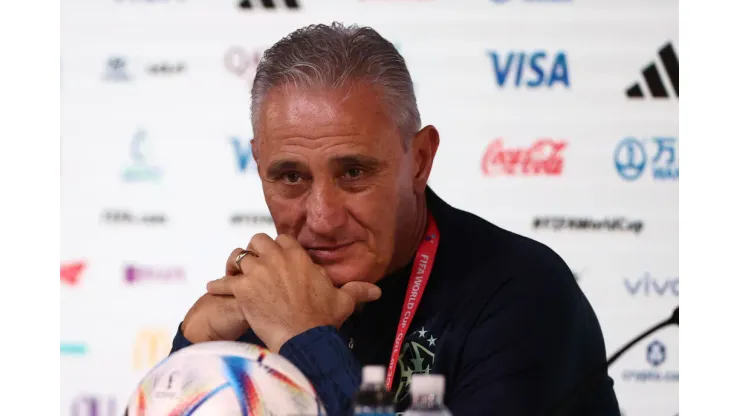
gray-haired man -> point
(371, 267)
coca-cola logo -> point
(543, 157)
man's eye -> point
(354, 173)
(291, 177)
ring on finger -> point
(241, 255)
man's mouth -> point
(328, 254)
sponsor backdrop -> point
(559, 121)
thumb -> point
(362, 292)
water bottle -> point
(372, 399)
(427, 396)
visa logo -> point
(530, 70)
(649, 285)
(243, 154)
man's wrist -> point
(277, 339)
(180, 340)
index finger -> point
(264, 246)
(286, 242)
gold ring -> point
(241, 255)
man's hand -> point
(282, 293)
(214, 317)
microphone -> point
(583, 387)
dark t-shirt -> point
(502, 318)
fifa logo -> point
(169, 384)
(150, 347)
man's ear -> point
(424, 147)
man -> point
(371, 267)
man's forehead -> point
(321, 112)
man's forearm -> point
(324, 358)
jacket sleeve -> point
(324, 358)
(180, 341)
(534, 340)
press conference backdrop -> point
(558, 121)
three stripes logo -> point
(268, 4)
(652, 77)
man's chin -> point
(343, 273)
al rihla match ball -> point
(224, 378)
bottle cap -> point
(372, 374)
(423, 384)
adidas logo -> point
(651, 76)
(268, 4)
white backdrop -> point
(158, 184)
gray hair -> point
(333, 56)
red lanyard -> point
(419, 276)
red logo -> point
(541, 158)
(70, 273)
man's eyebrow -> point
(347, 161)
(284, 165)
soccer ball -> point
(224, 378)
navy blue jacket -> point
(502, 318)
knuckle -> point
(259, 236)
(345, 303)
(287, 238)
(257, 269)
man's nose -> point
(325, 212)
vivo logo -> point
(648, 285)
(88, 405)
(530, 70)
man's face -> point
(336, 177)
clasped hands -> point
(279, 293)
